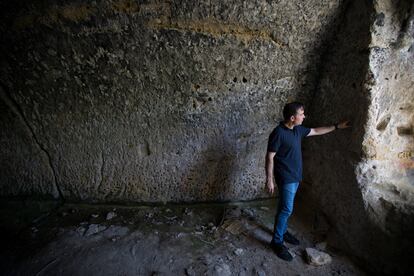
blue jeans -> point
(284, 210)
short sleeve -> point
(304, 131)
(274, 142)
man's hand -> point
(344, 124)
(270, 186)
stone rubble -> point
(222, 270)
(164, 248)
(110, 215)
(238, 251)
(190, 271)
(316, 257)
(94, 229)
(259, 272)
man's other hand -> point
(270, 186)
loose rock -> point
(188, 212)
(316, 257)
(190, 271)
(249, 212)
(259, 272)
(233, 213)
(80, 230)
(222, 270)
(94, 229)
(238, 251)
(110, 215)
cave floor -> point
(44, 238)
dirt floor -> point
(44, 238)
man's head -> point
(294, 113)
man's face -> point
(299, 117)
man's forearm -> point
(323, 130)
(269, 166)
(269, 169)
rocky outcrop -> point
(362, 178)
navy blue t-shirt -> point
(286, 143)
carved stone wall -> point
(151, 101)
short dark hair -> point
(291, 109)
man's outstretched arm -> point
(269, 172)
(325, 130)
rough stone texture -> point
(151, 100)
(363, 178)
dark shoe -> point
(289, 238)
(281, 251)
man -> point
(284, 163)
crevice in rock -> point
(14, 106)
(215, 27)
(101, 171)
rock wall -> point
(362, 179)
(151, 101)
